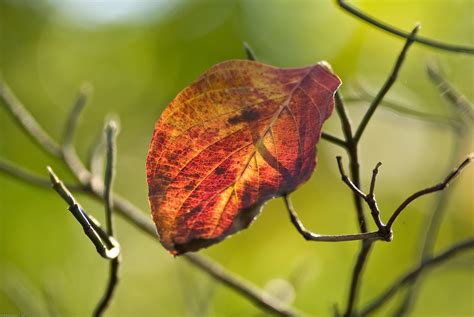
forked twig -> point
(385, 231)
(352, 150)
(105, 245)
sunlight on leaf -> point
(241, 134)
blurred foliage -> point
(138, 55)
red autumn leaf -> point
(241, 134)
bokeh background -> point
(138, 55)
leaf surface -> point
(241, 134)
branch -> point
(393, 30)
(357, 272)
(68, 150)
(310, 236)
(386, 86)
(105, 245)
(73, 118)
(429, 190)
(111, 132)
(18, 172)
(249, 53)
(346, 124)
(333, 139)
(353, 153)
(413, 274)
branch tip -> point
(249, 52)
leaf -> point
(241, 134)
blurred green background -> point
(138, 55)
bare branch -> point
(69, 153)
(249, 52)
(346, 124)
(386, 86)
(356, 276)
(413, 274)
(333, 139)
(429, 190)
(346, 179)
(15, 171)
(310, 236)
(353, 152)
(110, 132)
(73, 118)
(393, 30)
(105, 245)
(374, 178)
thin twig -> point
(310, 236)
(374, 178)
(111, 133)
(393, 30)
(346, 124)
(15, 171)
(27, 122)
(68, 150)
(105, 245)
(386, 86)
(347, 180)
(249, 53)
(432, 189)
(352, 151)
(114, 265)
(413, 274)
(333, 139)
(357, 272)
(73, 118)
